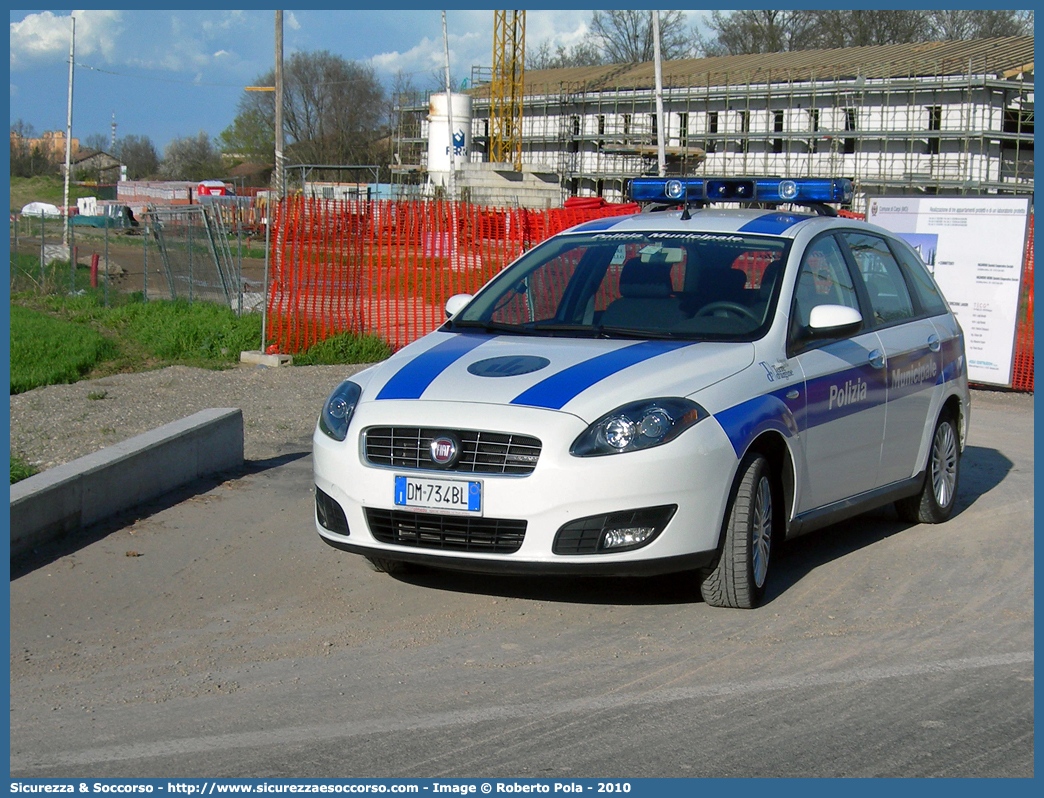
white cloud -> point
(290, 21)
(44, 37)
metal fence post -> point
(239, 260)
(72, 257)
(106, 261)
(188, 220)
(43, 244)
(145, 244)
(264, 289)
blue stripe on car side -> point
(413, 379)
(952, 360)
(773, 223)
(558, 389)
(745, 421)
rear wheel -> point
(934, 503)
(738, 580)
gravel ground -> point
(58, 423)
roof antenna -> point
(685, 208)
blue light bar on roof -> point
(740, 189)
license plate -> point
(456, 496)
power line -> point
(162, 80)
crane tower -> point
(505, 112)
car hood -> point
(584, 377)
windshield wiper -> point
(554, 327)
(626, 332)
(488, 326)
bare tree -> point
(626, 36)
(759, 31)
(768, 30)
(584, 53)
(26, 160)
(138, 154)
(980, 24)
(333, 110)
(860, 27)
(95, 141)
(191, 158)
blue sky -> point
(167, 74)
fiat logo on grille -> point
(444, 450)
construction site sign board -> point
(975, 248)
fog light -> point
(613, 532)
(627, 536)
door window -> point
(823, 279)
(889, 295)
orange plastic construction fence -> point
(1022, 372)
(387, 268)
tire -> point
(935, 502)
(383, 566)
(738, 580)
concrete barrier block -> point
(91, 488)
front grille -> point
(481, 452)
(452, 532)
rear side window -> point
(889, 295)
(922, 284)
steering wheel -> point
(734, 307)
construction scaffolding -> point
(940, 118)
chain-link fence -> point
(193, 252)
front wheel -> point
(738, 579)
(383, 566)
(934, 503)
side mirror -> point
(833, 320)
(456, 303)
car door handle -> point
(877, 359)
(933, 343)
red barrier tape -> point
(1022, 373)
(387, 267)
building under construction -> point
(932, 118)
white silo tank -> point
(439, 138)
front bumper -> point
(693, 472)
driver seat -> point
(646, 298)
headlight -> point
(638, 425)
(338, 410)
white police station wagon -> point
(677, 390)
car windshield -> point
(692, 286)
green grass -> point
(47, 350)
(344, 348)
(44, 188)
(20, 469)
(62, 337)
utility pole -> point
(279, 178)
(112, 144)
(661, 149)
(68, 137)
